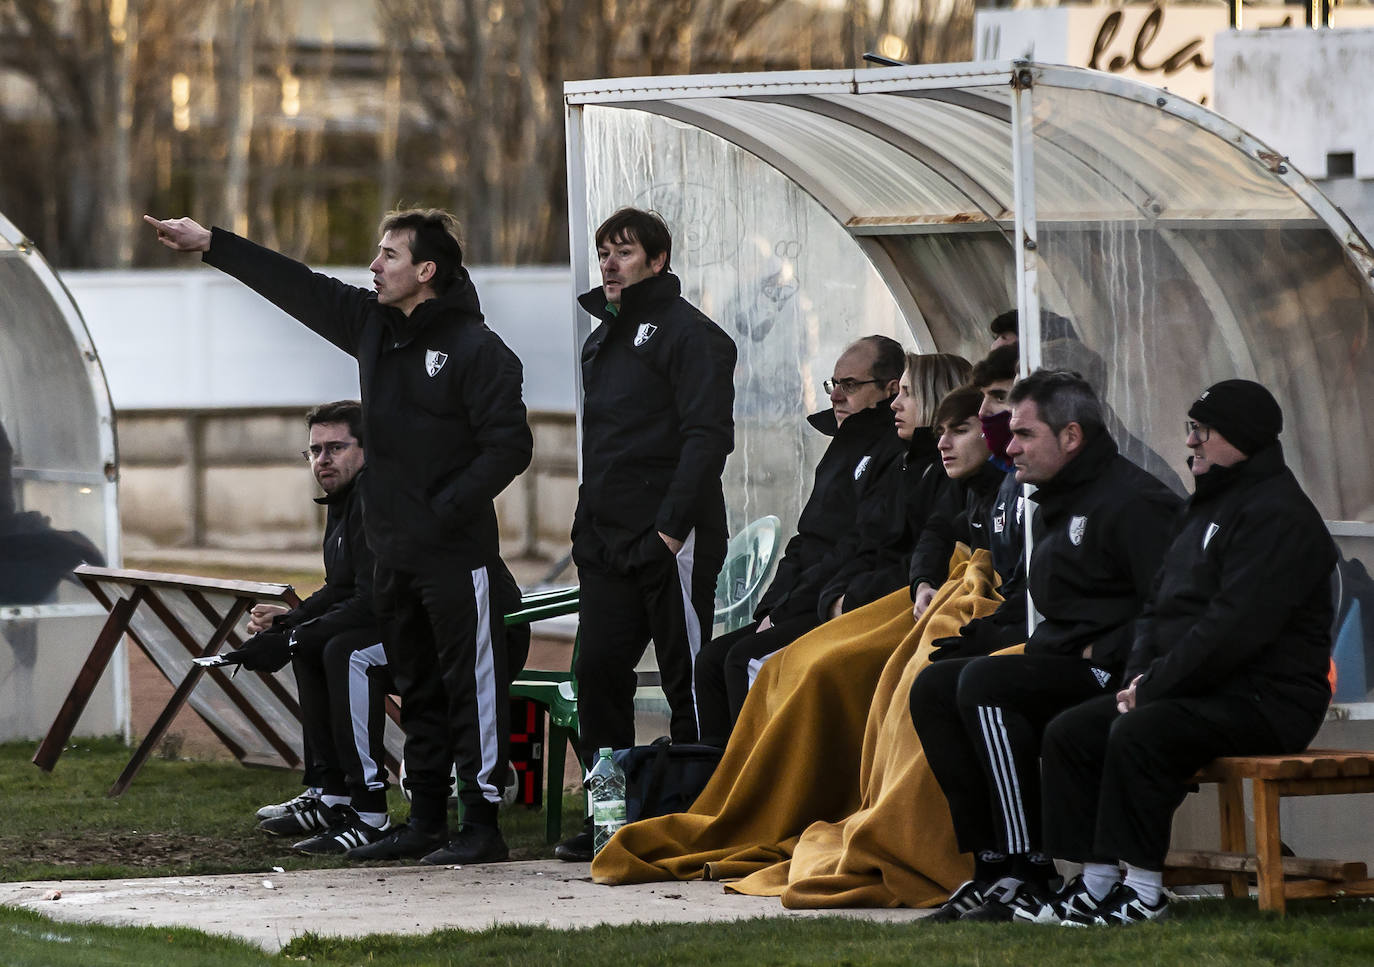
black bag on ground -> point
(664, 777)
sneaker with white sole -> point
(1005, 897)
(311, 816)
(279, 809)
(1122, 905)
(348, 832)
(970, 895)
(1054, 909)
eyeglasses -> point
(1203, 431)
(847, 386)
(333, 449)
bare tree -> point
(99, 70)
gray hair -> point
(1061, 397)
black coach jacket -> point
(657, 423)
(1242, 603)
(1101, 526)
(813, 555)
(905, 490)
(445, 422)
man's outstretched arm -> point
(331, 308)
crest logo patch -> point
(1077, 525)
(434, 361)
(645, 333)
(862, 466)
(1212, 529)
(999, 519)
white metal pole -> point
(1027, 263)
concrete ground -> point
(270, 909)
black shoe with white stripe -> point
(1074, 899)
(969, 896)
(343, 836)
(1122, 905)
(310, 816)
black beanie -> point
(1242, 411)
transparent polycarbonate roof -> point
(810, 208)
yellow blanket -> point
(822, 796)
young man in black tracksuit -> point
(333, 642)
(1100, 526)
(1230, 657)
(859, 425)
(649, 533)
(446, 433)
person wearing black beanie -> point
(1242, 411)
(1230, 657)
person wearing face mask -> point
(862, 441)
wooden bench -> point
(1316, 772)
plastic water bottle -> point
(606, 790)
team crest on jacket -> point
(434, 361)
(1211, 532)
(1077, 525)
(645, 333)
(862, 466)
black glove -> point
(951, 647)
(267, 651)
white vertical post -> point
(1027, 262)
(578, 239)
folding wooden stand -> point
(169, 602)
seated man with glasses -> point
(334, 644)
(863, 439)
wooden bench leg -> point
(1268, 851)
(1231, 800)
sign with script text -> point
(1162, 44)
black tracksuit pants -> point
(722, 671)
(342, 686)
(669, 599)
(980, 722)
(1112, 782)
(445, 640)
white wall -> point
(176, 339)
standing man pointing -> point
(649, 533)
(446, 433)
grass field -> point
(178, 817)
(184, 817)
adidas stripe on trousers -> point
(444, 631)
(669, 599)
(980, 721)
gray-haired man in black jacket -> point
(446, 433)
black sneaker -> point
(579, 848)
(349, 832)
(1005, 897)
(310, 816)
(474, 843)
(1031, 906)
(404, 842)
(1122, 905)
(279, 809)
(970, 895)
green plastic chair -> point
(751, 557)
(555, 691)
